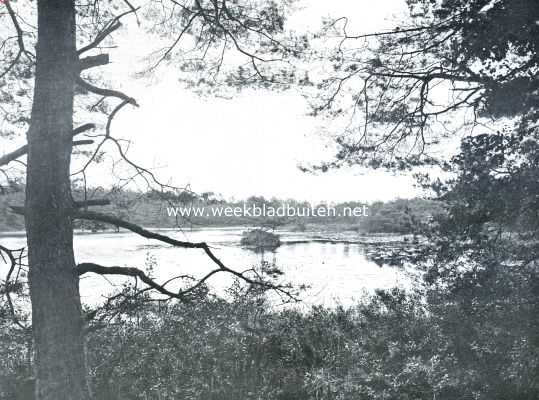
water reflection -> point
(336, 273)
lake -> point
(338, 272)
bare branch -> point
(112, 220)
(92, 203)
(109, 219)
(175, 43)
(83, 128)
(83, 142)
(133, 10)
(107, 136)
(109, 28)
(106, 92)
(20, 41)
(7, 285)
(126, 271)
(93, 61)
(100, 37)
(21, 151)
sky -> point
(253, 143)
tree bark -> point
(54, 285)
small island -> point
(260, 240)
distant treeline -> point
(151, 209)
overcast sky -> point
(253, 143)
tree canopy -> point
(451, 63)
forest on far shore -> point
(400, 216)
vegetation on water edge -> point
(391, 346)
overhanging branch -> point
(126, 271)
(106, 92)
(109, 219)
(112, 220)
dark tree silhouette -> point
(468, 68)
(70, 44)
(452, 63)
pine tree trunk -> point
(56, 308)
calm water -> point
(337, 273)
